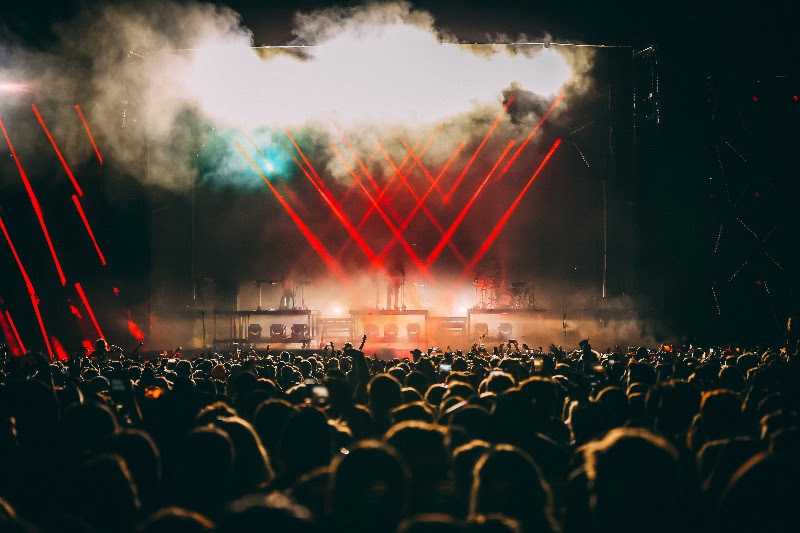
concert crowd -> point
(497, 439)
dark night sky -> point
(742, 32)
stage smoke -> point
(172, 77)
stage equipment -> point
(523, 295)
(229, 327)
(401, 328)
(449, 330)
(277, 331)
(254, 332)
(336, 329)
(300, 331)
(259, 283)
(485, 292)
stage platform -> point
(396, 331)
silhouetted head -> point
(464, 459)
(507, 481)
(213, 411)
(271, 512)
(418, 381)
(720, 417)
(369, 488)
(635, 474)
(384, 394)
(175, 520)
(587, 420)
(251, 466)
(495, 523)
(435, 393)
(423, 448)
(419, 411)
(143, 459)
(103, 493)
(306, 442)
(474, 419)
(270, 420)
(203, 470)
(614, 403)
(85, 427)
(430, 523)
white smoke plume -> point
(382, 71)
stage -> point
(394, 332)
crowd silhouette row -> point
(484, 439)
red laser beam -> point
(88, 346)
(56, 149)
(443, 172)
(61, 353)
(82, 214)
(310, 236)
(11, 342)
(364, 168)
(425, 171)
(75, 311)
(342, 218)
(531, 134)
(15, 332)
(317, 180)
(425, 210)
(28, 287)
(37, 208)
(134, 329)
(327, 197)
(89, 310)
(374, 205)
(464, 210)
(389, 182)
(371, 208)
(397, 235)
(392, 228)
(460, 178)
(453, 156)
(487, 243)
(88, 131)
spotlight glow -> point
(13, 87)
(242, 87)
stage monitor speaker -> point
(277, 330)
(254, 332)
(299, 331)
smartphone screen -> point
(445, 367)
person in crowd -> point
(499, 438)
